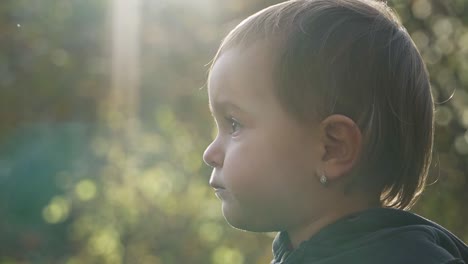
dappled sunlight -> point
(443, 116)
(154, 185)
(85, 190)
(226, 255)
(461, 145)
(210, 232)
(422, 9)
(105, 125)
(106, 244)
(57, 210)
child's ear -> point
(342, 140)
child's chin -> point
(246, 223)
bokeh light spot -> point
(226, 255)
(461, 145)
(443, 116)
(105, 242)
(420, 39)
(432, 55)
(464, 118)
(210, 232)
(442, 28)
(156, 185)
(445, 45)
(459, 99)
(85, 190)
(422, 9)
(56, 211)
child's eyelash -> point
(233, 124)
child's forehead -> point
(250, 66)
(241, 76)
(258, 54)
(248, 61)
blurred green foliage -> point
(75, 189)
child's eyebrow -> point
(224, 106)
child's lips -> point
(218, 188)
(215, 185)
(220, 193)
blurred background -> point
(104, 118)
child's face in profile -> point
(265, 162)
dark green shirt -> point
(377, 236)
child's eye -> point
(235, 126)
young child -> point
(325, 129)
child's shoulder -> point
(410, 244)
(382, 236)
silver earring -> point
(323, 180)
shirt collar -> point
(283, 250)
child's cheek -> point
(247, 167)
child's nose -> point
(213, 155)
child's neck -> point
(305, 232)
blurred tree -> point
(72, 190)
